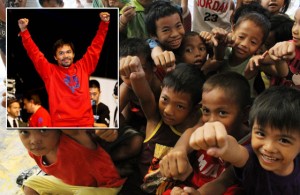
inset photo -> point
(62, 68)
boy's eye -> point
(179, 25)
(43, 130)
(202, 49)
(23, 132)
(222, 113)
(205, 111)
(189, 50)
(259, 133)
(285, 141)
(253, 42)
(180, 107)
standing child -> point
(89, 170)
(226, 99)
(270, 165)
(249, 33)
(176, 110)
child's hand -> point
(131, 68)
(212, 136)
(184, 191)
(165, 59)
(219, 36)
(108, 135)
(175, 165)
(253, 64)
(23, 23)
(105, 16)
(128, 13)
(282, 51)
(207, 36)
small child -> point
(164, 23)
(249, 33)
(176, 110)
(276, 7)
(226, 99)
(89, 170)
(270, 165)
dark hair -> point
(193, 34)
(187, 79)
(251, 7)
(159, 9)
(281, 26)
(34, 97)
(60, 43)
(116, 89)
(135, 47)
(234, 84)
(59, 2)
(277, 107)
(11, 101)
(285, 6)
(94, 84)
(259, 19)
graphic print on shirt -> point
(72, 82)
(214, 6)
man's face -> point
(64, 56)
(28, 105)
(94, 94)
(14, 109)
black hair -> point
(159, 9)
(60, 43)
(251, 7)
(94, 84)
(234, 85)
(285, 7)
(281, 25)
(259, 19)
(277, 107)
(135, 47)
(59, 2)
(116, 89)
(34, 97)
(187, 79)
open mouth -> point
(268, 159)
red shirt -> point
(68, 88)
(80, 166)
(40, 118)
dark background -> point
(47, 26)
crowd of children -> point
(211, 108)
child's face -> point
(40, 142)
(194, 51)
(273, 6)
(218, 106)
(275, 149)
(296, 29)
(174, 107)
(170, 31)
(248, 39)
(52, 3)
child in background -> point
(51, 3)
(164, 23)
(51, 151)
(226, 99)
(194, 50)
(277, 6)
(249, 33)
(270, 165)
(167, 119)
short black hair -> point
(234, 84)
(11, 101)
(186, 78)
(34, 97)
(94, 84)
(60, 43)
(59, 2)
(159, 9)
(281, 26)
(277, 107)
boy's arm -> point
(81, 137)
(213, 138)
(130, 67)
(176, 164)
